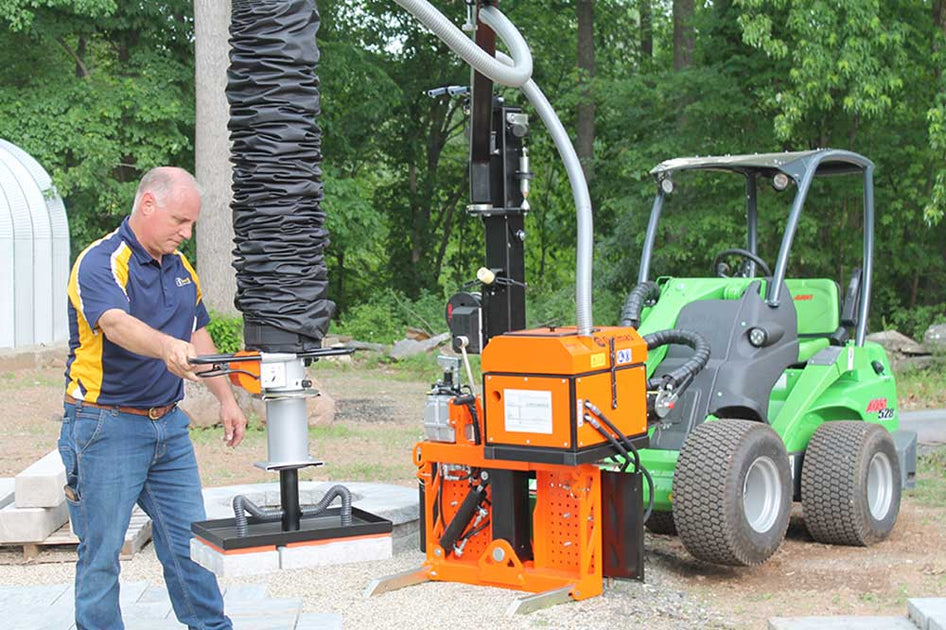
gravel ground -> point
(660, 603)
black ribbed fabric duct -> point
(277, 180)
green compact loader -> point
(768, 392)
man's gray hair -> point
(161, 180)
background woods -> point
(101, 90)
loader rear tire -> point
(850, 483)
(732, 492)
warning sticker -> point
(528, 411)
(598, 360)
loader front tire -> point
(732, 492)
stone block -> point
(233, 564)
(935, 338)
(40, 485)
(21, 525)
(928, 613)
(840, 623)
(7, 491)
(266, 614)
(245, 593)
(340, 551)
(134, 623)
(319, 621)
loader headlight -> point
(758, 337)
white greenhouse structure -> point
(34, 253)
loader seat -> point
(818, 305)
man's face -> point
(170, 220)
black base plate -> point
(221, 533)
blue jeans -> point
(114, 460)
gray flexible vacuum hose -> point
(516, 71)
(576, 176)
(242, 505)
(513, 75)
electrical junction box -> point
(536, 382)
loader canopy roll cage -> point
(801, 167)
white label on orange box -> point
(528, 411)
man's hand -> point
(176, 354)
(234, 423)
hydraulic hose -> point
(623, 445)
(469, 401)
(636, 299)
(701, 355)
(242, 505)
(463, 516)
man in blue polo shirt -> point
(135, 317)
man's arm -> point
(134, 335)
(234, 422)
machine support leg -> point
(289, 499)
(396, 581)
(532, 603)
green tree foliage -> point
(102, 89)
(99, 92)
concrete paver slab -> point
(928, 613)
(319, 621)
(265, 623)
(154, 594)
(245, 593)
(840, 623)
(12, 597)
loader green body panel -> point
(828, 382)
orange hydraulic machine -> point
(515, 486)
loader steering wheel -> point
(720, 268)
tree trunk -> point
(585, 139)
(647, 31)
(682, 34)
(212, 150)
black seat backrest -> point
(738, 379)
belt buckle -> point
(154, 413)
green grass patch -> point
(22, 379)
(924, 388)
(930, 487)
(378, 472)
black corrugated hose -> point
(278, 222)
(639, 296)
(684, 373)
(242, 505)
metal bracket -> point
(546, 599)
(396, 581)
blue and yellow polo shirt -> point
(117, 272)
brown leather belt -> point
(153, 413)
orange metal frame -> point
(567, 521)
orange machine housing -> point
(535, 384)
